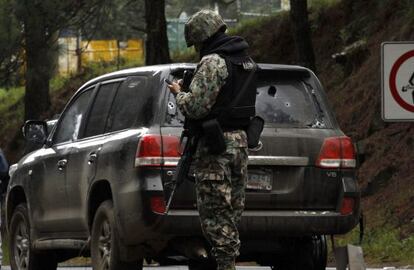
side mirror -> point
(35, 132)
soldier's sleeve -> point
(210, 76)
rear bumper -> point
(279, 223)
(139, 224)
(265, 224)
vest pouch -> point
(214, 137)
(242, 111)
(254, 130)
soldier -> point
(220, 178)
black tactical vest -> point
(235, 116)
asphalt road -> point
(186, 268)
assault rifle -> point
(188, 143)
(189, 146)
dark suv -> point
(98, 183)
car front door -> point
(50, 208)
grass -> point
(382, 245)
(5, 248)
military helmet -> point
(203, 25)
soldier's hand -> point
(175, 87)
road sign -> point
(397, 81)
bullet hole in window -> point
(272, 91)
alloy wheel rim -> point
(104, 245)
(21, 247)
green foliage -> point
(260, 6)
(253, 23)
(10, 97)
(319, 4)
(94, 69)
(186, 56)
(118, 19)
(58, 82)
(56, 15)
(12, 100)
(11, 110)
(408, 7)
(10, 38)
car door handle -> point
(62, 164)
(92, 158)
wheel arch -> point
(16, 196)
(100, 191)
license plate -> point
(260, 180)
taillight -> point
(347, 206)
(158, 204)
(156, 150)
(337, 152)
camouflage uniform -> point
(220, 179)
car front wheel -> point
(22, 256)
(105, 242)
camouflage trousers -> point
(220, 188)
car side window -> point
(69, 126)
(133, 103)
(99, 114)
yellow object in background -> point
(107, 50)
(98, 51)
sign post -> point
(397, 76)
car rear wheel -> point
(22, 256)
(105, 242)
(320, 252)
(201, 264)
(306, 253)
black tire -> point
(308, 253)
(105, 243)
(320, 252)
(22, 256)
(202, 265)
(298, 255)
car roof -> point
(156, 69)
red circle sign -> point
(393, 81)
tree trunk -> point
(302, 34)
(156, 45)
(38, 66)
